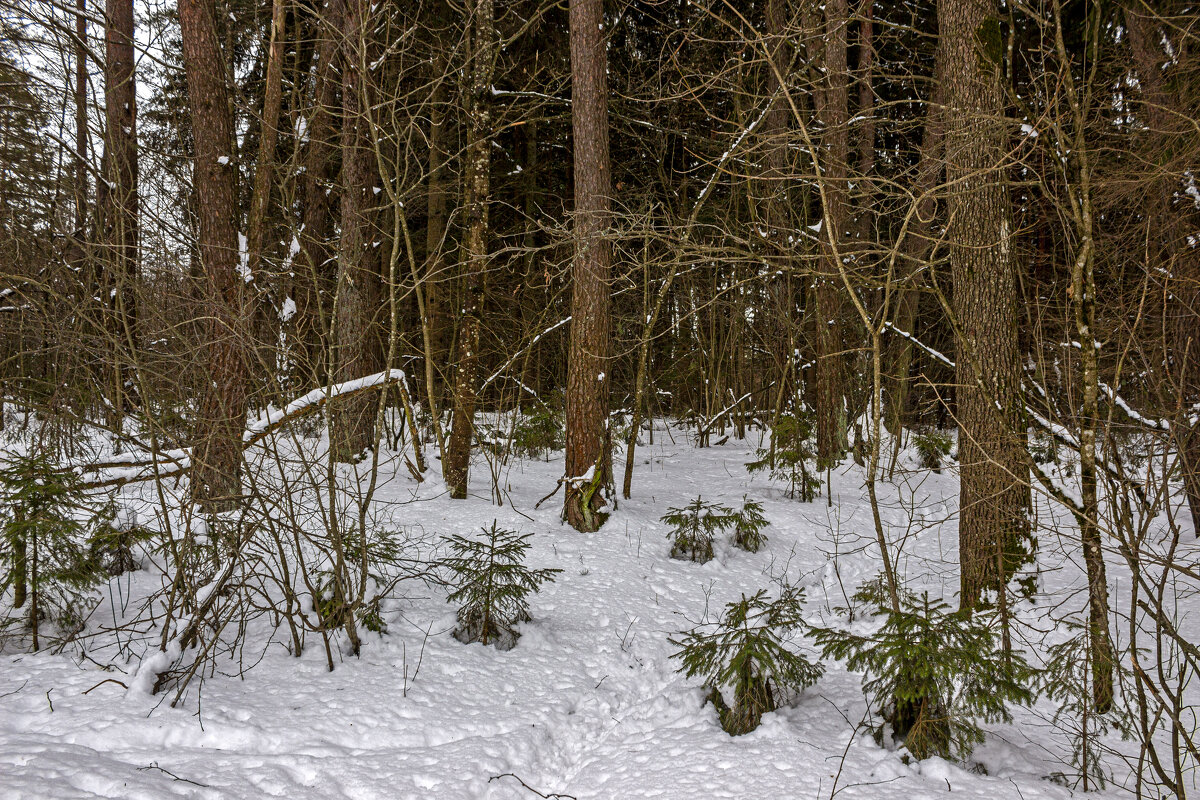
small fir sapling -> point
(745, 652)
(1066, 680)
(53, 547)
(933, 447)
(493, 585)
(539, 433)
(789, 456)
(748, 526)
(694, 527)
(934, 674)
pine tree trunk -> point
(832, 108)
(81, 120)
(265, 327)
(216, 468)
(316, 274)
(993, 498)
(588, 366)
(121, 179)
(359, 350)
(457, 462)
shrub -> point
(493, 585)
(788, 459)
(695, 526)
(933, 674)
(1067, 680)
(50, 558)
(748, 526)
(539, 433)
(933, 447)
(745, 652)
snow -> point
(588, 704)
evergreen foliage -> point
(1066, 679)
(695, 526)
(748, 526)
(50, 558)
(935, 674)
(791, 457)
(539, 433)
(493, 585)
(745, 652)
(933, 447)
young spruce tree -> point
(493, 585)
(746, 653)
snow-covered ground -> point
(589, 703)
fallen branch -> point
(530, 788)
(172, 463)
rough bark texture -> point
(457, 463)
(316, 271)
(832, 108)
(588, 359)
(993, 506)
(121, 198)
(266, 323)
(81, 120)
(358, 347)
(217, 457)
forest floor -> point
(588, 704)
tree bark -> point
(216, 471)
(359, 292)
(457, 462)
(993, 505)
(121, 197)
(316, 275)
(588, 359)
(832, 107)
(81, 121)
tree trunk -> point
(358, 346)
(457, 463)
(993, 505)
(121, 179)
(315, 276)
(833, 100)
(588, 367)
(81, 120)
(266, 329)
(216, 470)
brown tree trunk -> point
(832, 109)
(81, 121)
(264, 170)
(588, 358)
(121, 179)
(358, 346)
(993, 506)
(315, 275)
(216, 458)
(457, 463)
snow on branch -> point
(176, 462)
